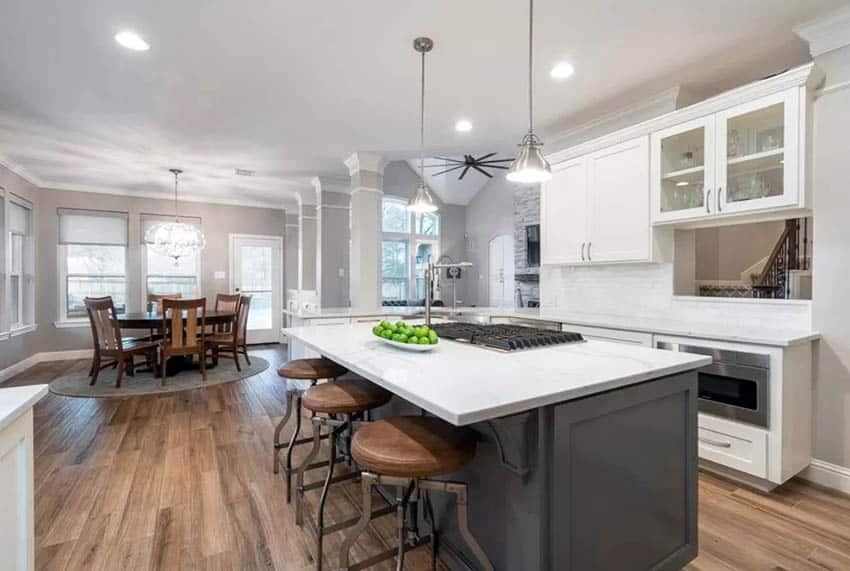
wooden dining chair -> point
(184, 340)
(226, 303)
(108, 343)
(155, 300)
(233, 341)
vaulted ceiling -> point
(289, 89)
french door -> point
(255, 270)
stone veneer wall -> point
(526, 212)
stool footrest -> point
(334, 480)
(388, 554)
(299, 442)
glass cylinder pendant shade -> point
(530, 166)
(422, 200)
(175, 239)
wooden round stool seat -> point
(311, 369)
(345, 396)
(412, 447)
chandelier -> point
(175, 239)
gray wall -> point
(290, 251)
(335, 245)
(401, 180)
(489, 214)
(17, 348)
(218, 221)
(831, 263)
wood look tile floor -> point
(184, 481)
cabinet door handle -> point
(708, 201)
(589, 259)
(719, 190)
(716, 443)
(582, 251)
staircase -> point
(789, 255)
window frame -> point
(25, 294)
(64, 276)
(145, 275)
(413, 240)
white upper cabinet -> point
(563, 208)
(742, 159)
(618, 195)
(596, 207)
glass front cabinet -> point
(745, 158)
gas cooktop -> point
(504, 337)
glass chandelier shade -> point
(175, 239)
(530, 166)
(423, 200)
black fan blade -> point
(495, 167)
(449, 160)
(482, 171)
(447, 170)
(495, 161)
(463, 174)
(487, 156)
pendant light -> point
(423, 199)
(175, 239)
(530, 165)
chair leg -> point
(203, 359)
(121, 366)
(277, 430)
(291, 447)
(299, 489)
(367, 481)
(245, 352)
(95, 368)
(236, 358)
(320, 518)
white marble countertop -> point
(15, 401)
(660, 326)
(463, 384)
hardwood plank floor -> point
(184, 481)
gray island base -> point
(606, 482)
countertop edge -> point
(28, 399)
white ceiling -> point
(289, 89)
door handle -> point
(708, 201)
(589, 259)
(716, 443)
(582, 251)
(719, 191)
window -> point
(92, 258)
(409, 241)
(163, 274)
(21, 292)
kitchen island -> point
(587, 452)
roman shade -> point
(19, 218)
(94, 227)
(148, 220)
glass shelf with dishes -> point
(682, 170)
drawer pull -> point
(716, 443)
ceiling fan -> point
(470, 162)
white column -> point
(366, 172)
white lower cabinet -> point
(733, 444)
(596, 207)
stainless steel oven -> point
(735, 385)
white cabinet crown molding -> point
(808, 75)
(827, 34)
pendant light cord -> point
(176, 218)
(422, 124)
(530, 65)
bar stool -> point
(344, 401)
(301, 374)
(404, 451)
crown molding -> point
(364, 161)
(283, 205)
(828, 33)
(338, 185)
(21, 171)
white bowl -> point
(408, 346)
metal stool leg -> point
(299, 495)
(367, 481)
(320, 524)
(291, 447)
(278, 429)
(429, 518)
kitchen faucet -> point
(430, 267)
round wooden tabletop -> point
(153, 319)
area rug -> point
(77, 384)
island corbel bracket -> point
(513, 451)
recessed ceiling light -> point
(682, 183)
(463, 126)
(132, 41)
(562, 70)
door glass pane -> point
(683, 170)
(755, 154)
(256, 281)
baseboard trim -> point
(828, 475)
(45, 357)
